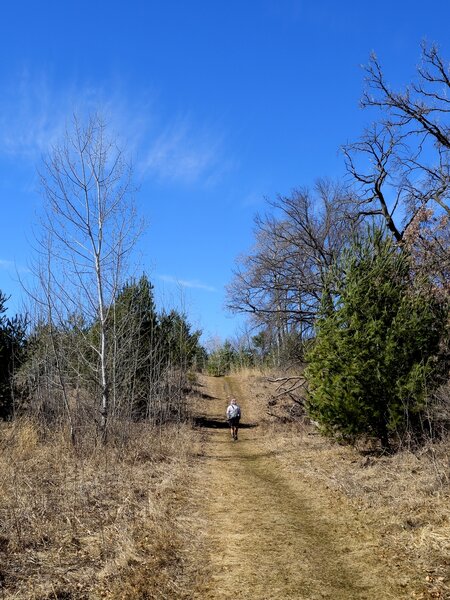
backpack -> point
(235, 411)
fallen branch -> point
(283, 379)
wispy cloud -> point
(34, 113)
(184, 152)
(29, 116)
(6, 264)
(9, 265)
(187, 283)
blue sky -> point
(219, 104)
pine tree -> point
(222, 359)
(152, 350)
(376, 347)
(135, 362)
(12, 348)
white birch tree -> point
(89, 230)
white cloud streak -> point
(34, 114)
(187, 283)
(184, 153)
(6, 264)
(9, 265)
(29, 119)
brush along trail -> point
(273, 536)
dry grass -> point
(405, 496)
(96, 522)
(246, 372)
(123, 522)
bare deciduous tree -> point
(401, 163)
(89, 230)
(281, 282)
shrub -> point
(377, 347)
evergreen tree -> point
(221, 360)
(12, 347)
(5, 399)
(377, 344)
(181, 345)
(135, 362)
(149, 348)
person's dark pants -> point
(234, 424)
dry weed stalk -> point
(91, 522)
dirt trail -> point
(272, 537)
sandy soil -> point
(271, 536)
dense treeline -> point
(353, 279)
(47, 369)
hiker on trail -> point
(233, 416)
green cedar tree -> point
(376, 346)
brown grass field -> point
(153, 515)
(96, 522)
